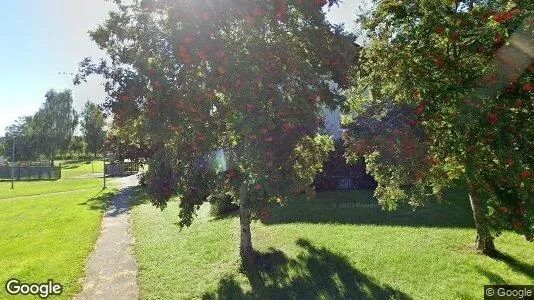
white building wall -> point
(332, 122)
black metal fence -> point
(30, 171)
(121, 169)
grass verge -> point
(49, 236)
(338, 245)
(68, 182)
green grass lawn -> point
(49, 236)
(68, 181)
(71, 169)
(338, 245)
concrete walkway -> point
(112, 269)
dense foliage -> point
(228, 95)
(48, 132)
(26, 145)
(92, 125)
(55, 122)
(445, 93)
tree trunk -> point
(484, 240)
(245, 248)
(51, 165)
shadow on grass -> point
(492, 277)
(518, 266)
(360, 207)
(138, 196)
(99, 201)
(314, 273)
(226, 215)
(69, 167)
(128, 197)
(29, 180)
(79, 161)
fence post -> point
(59, 170)
(18, 170)
(104, 177)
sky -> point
(42, 42)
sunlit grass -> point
(44, 235)
(49, 237)
(68, 181)
(70, 169)
(335, 246)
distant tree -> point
(78, 145)
(92, 124)
(228, 98)
(2, 146)
(26, 144)
(125, 143)
(55, 123)
(447, 89)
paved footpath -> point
(112, 269)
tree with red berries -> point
(445, 94)
(227, 94)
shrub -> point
(142, 177)
(222, 205)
